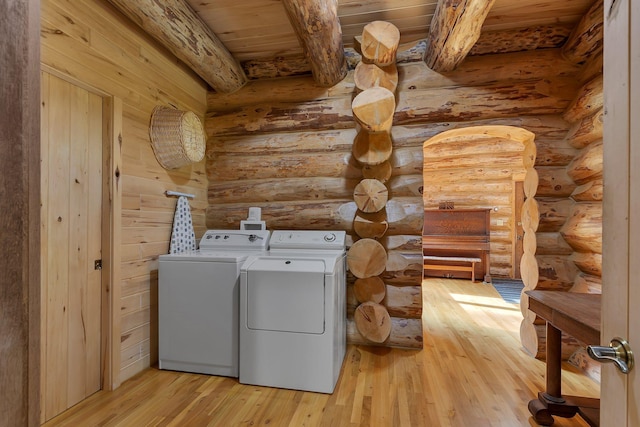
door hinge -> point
(97, 264)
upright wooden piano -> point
(457, 240)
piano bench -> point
(437, 262)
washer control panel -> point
(235, 239)
(308, 239)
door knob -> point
(618, 352)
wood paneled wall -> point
(285, 146)
(90, 42)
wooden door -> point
(518, 231)
(621, 210)
(71, 215)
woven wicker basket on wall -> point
(177, 137)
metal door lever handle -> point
(618, 352)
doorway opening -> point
(485, 172)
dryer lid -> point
(206, 256)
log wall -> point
(570, 253)
(285, 146)
(90, 42)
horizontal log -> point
(281, 189)
(553, 213)
(266, 144)
(552, 243)
(470, 142)
(588, 101)
(405, 333)
(495, 100)
(473, 71)
(469, 200)
(412, 276)
(554, 182)
(432, 184)
(494, 160)
(280, 66)
(411, 243)
(405, 186)
(251, 167)
(481, 70)
(405, 215)
(553, 151)
(536, 39)
(549, 132)
(293, 89)
(403, 268)
(404, 301)
(588, 165)
(589, 263)
(270, 68)
(592, 191)
(556, 272)
(323, 114)
(587, 284)
(587, 37)
(591, 68)
(583, 228)
(586, 131)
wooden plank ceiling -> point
(259, 34)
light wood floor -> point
(471, 373)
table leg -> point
(554, 364)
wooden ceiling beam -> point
(455, 28)
(317, 26)
(175, 25)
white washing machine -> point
(293, 312)
(198, 302)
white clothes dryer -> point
(198, 302)
(293, 312)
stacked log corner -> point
(571, 237)
(379, 271)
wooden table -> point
(579, 316)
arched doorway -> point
(489, 167)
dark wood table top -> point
(574, 313)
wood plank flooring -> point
(471, 372)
